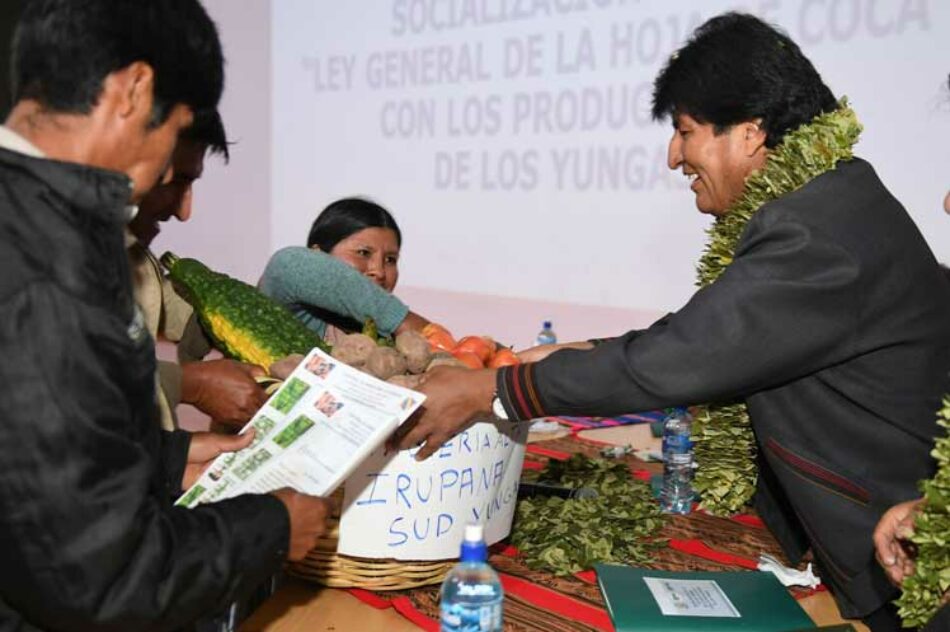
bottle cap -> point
(546, 325)
(473, 532)
(473, 545)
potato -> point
(385, 362)
(441, 358)
(416, 349)
(354, 350)
(285, 366)
(407, 381)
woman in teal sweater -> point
(345, 275)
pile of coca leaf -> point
(568, 536)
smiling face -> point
(716, 164)
(374, 252)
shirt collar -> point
(14, 142)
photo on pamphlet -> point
(262, 427)
(320, 366)
(251, 464)
(193, 494)
(328, 404)
(289, 394)
(293, 431)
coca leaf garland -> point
(925, 589)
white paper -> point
(311, 434)
(400, 508)
(690, 597)
(788, 576)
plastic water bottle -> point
(546, 336)
(677, 493)
(472, 593)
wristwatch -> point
(497, 408)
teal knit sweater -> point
(309, 281)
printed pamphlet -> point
(325, 419)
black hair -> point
(737, 68)
(64, 49)
(347, 216)
(208, 129)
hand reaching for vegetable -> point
(225, 390)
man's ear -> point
(134, 88)
(753, 136)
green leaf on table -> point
(568, 536)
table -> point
(299, 607)
(302, 607)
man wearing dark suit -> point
(830, 320)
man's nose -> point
(674, 153)
(184, 208)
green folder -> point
(751, 601)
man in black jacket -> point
(826, 315)
(90, 538)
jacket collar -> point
(97, 193)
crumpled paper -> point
(788, 576)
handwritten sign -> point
(396, 507)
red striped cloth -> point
(563, 605)
(557, 455)
(577, 424)
(701, 549)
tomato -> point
(504, 357)
(478, 345)
(432, 328)
(469, 359)
(440, 339)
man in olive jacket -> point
(90, 539)
(831, 322)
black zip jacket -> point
(89, 539)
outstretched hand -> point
(894, 529)
(206, 447)
(454, 397)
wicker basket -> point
(324, 565)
